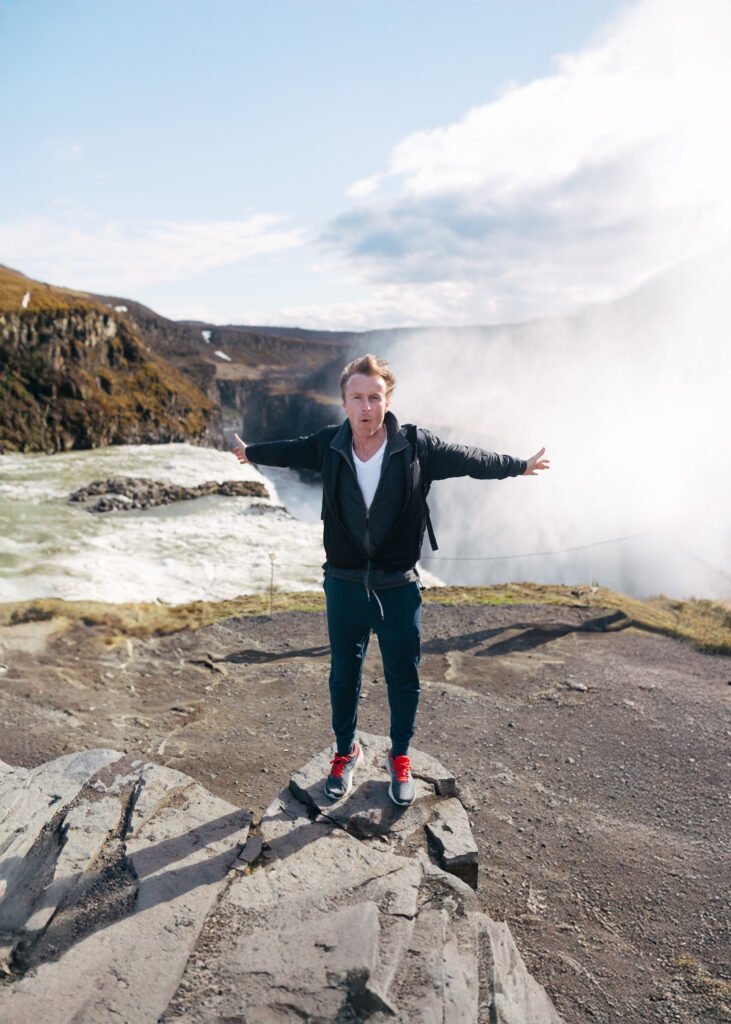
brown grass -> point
(43, 297)
(704, 624)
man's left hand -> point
(536, 463)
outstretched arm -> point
(447, 459)
(536, 464)
(299, 453)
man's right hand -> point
(240, 450)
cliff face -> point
(82, 378)
(82, 370)
(269, 383)
(259, 410)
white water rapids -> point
(215, 547)
(209, 548)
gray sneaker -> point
(340, 779)
(402, 789)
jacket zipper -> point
(368, 547)
(366, 579)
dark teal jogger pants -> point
(394, 615)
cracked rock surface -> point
(130, 893)
(109, 868)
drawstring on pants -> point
(370, 592)
(379, 602)
(366, 584)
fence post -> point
(272, 556)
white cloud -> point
(573, 188)
(364, 187)
(386, 306)
(631, 401)
(121, 256)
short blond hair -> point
(371, 366)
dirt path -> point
(593, 765)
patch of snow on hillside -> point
(206, 337)
(222, 355)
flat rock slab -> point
(340, 927)
(517, 996)
(288, 825)
(368, 811)
(339, 930)
(33, 803)
(109, 896)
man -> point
(375, 476)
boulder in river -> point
(131, 492)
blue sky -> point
(353, 164)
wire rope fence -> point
(274, 561)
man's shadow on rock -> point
(125, 885)
(367, 812)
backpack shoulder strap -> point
(324, 438)
(415, 435)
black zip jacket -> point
(380, 545)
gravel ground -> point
(592, 764)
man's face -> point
(365, 404)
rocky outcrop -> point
(571, 747)
(128, 892)
(81, 377)
(129, 492)
(269, 382)
(109, 868)
(86, 370)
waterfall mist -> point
(631, 400)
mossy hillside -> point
(704, 624)
(43, 297)
(78, 376)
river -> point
(209, 548)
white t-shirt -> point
(369, 473)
